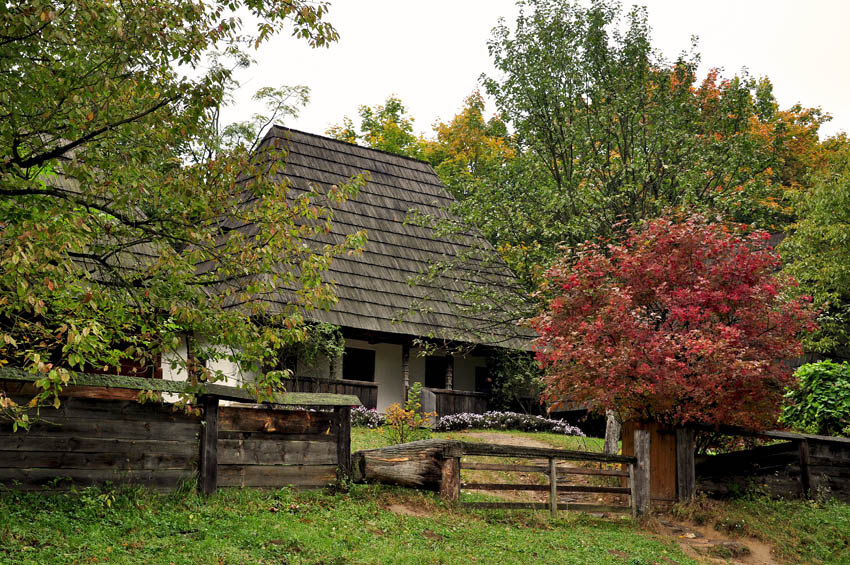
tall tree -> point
(621, 132)
(124, 206)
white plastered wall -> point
(233, 374)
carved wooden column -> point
(450, 372)
(405, 367)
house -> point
(384, 318)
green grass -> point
(364, 438)
(284, 526)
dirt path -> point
(711, 546)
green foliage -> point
(623, 134)
(407, 423)
(117, 182)
(516, 379)
(386, 126)
(817, 252)
(821, 404)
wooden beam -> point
(805, 469)
(177, 387)
(544, 469)
(544, 488)
(342, 416)
(685, 468)
(545, 505)
(488, 449)
(450, 483)
(553, 487)
(208, 465)
(641, 480)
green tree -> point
(817, 253)
(386, 126)
(622, 133)
(130, 220)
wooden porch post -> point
(450, 372)
(405, 367)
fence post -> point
(450, 479)
(685, 468)
(640, 475)
(805, 471)
(208, 464)
(342, 415)
(553, 487)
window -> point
(435, 372)
(358, 364)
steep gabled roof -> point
(375, 289)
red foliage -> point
(686, 322)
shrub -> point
(822, 403)
(408, 423)
(366, 418)
(505, 421)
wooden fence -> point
(790, 465)
(798, 465)
(444, 402)
(367, 392)
(301, 439)
(436, 465)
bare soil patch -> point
(409, 510)
(709, 545)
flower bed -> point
(366, 417)
(505, 421)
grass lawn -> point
(369, 524)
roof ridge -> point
(310, 134)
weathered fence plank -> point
(208, 463)
(685, 469)
(342, 417)
(641, 475)
(805, 469)
(276, 476)
(544, 488)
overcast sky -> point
(431, 54)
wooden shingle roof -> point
(375, 288)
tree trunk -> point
(419, 464)
(612, 433)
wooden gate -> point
(557, 477)
(435, 464)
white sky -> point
(431, 54)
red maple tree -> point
(687, 321)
